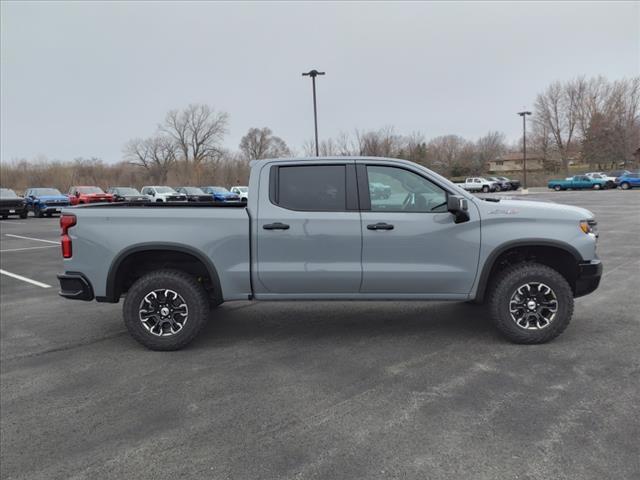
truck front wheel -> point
(165, 309)
(531, 303)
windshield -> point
(165, 190)
(193, 191)
(7, 193)
(504, 179)
(45, 191)
(242, 189)
(89, 190)
(126, 191)
(218, 189)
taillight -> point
(66, 221)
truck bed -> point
(106, 234)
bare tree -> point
(157, 155)
(378, 143)
(558, 109)
(487, 148)
(262, 143)
(197, 131)
(448, 153)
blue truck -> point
(45, 201)
(314, 229)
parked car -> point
(515, 184)
(243, 192)
(79, 195)
(45, 201)
(478, 184)
(127, 194)
(577, 182)
(162, 193)
(610, 182)
(312, 230)
(221, 194)
(628, 181)
(12, 204)
(194, 194)
(501, 185)
(379, 190)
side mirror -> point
(459, 207)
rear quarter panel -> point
(220, 234)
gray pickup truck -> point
(313, 230)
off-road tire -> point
(184, 285)
(505, 285)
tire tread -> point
(519, 273)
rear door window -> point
(319, 188)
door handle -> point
(276, 226)
(380, 226)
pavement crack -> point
(65, 347)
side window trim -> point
(363, 187)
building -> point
(512, 162)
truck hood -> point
(96, 195)
(533, 209)
(51, 198)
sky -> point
(81, 79)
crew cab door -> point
(410, 242)
(308, 229)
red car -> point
(81, 195)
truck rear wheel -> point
(531, 303)
(165, 309)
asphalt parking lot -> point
(321, 390)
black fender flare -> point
(483, 279)
(111, 295)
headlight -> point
(589, 226)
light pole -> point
(524, 148)
(313, 74)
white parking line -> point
(27, 248)
(30, 238)
(24, 279)
(12, 222)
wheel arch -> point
(558, 255)
(166, 252)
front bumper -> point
(52, 208)
(13, 210)
(75, 286)
(588, 279)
